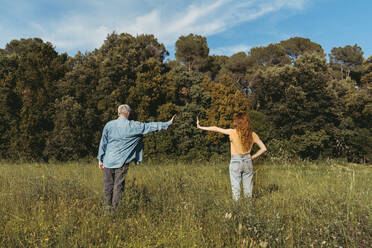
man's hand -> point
(100, 166)
(171, 120)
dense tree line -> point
(54, 107)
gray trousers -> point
(113, 184)
(241, 169)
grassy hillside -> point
(324, 204)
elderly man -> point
(120, 144)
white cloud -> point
(86, 27)
(230, 50)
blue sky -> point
(229, 25)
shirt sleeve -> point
(103, 145)
(145, 128)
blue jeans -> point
(241, 169)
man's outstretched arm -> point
(145, 128)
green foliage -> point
(237, 63)
(67, 141)
(353, 107)
(30, 70)
(366, 79)
(215, 64)
(348, 59)
(273, 54)
(226, 100)
(192, 100)
(149, 90)
(297, 46)
(236, 68)
(54, 107)
(261, 125)
(310, 144)
(162, 145)
(119, 61)
(347, 56)
(297, 101)
(192, 50)
(9, 102)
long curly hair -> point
(243, 126)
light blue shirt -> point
(121, 141)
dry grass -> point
(301, 204)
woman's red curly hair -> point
(243, 127)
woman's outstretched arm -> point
(213, 128)
(262, 146)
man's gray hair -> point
(124, 109)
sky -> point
(230, 26)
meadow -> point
(172, 204)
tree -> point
(188, 94)
(348, 59)
(297, 46)
(192, 50)
(366, 79)
(10, 102)
(236, 67)
(54, 106)
(31, 80)
(226, 100)
(68, 140)
(297, 101)
(121, 58)
(353, 105)
(149, 47)
(273, 54)
(148, 93)
(76, 90)
(214, 65)
(237, 63)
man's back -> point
(121, 141)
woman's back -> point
(239, 145)
(236, 145)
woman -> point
(242, 139)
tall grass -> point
(304, 204)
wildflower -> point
(228, 216)
(263, 244)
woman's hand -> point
(213, 128)
(171, 120)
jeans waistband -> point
(240, 156)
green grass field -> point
(302, 204)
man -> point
(120, 144)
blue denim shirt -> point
(121, 141)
